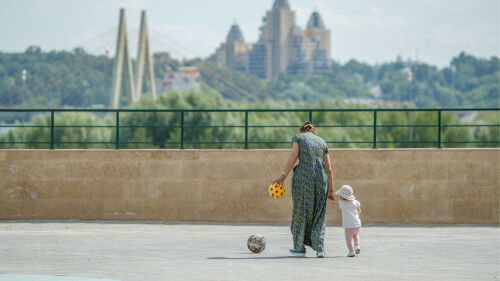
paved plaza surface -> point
(80, 250)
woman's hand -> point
(280, 179)
(330, 195)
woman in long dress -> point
(312, 185)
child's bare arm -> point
(359, 211)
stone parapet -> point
(422, 186)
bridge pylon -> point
(144, 62)
(122, 62)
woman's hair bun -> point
(306, 127)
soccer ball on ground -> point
(256, 243)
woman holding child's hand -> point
(312, 185)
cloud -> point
(450, 6)
(366, 16)
(108, 8)
(471, 37)
(371, 17)
(184, 40)
(80, 39)
(250, 30)
(40, 6)
(301, 14)
(180, 40)
(127, 4)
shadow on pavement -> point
(267, 258)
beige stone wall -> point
(393, 186)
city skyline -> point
(439, 31)
(283, 46)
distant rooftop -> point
(281, 5)
(315, 21)
(235, 34)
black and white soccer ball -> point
(256, 243)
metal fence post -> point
(374, 129)
(52, 129)
(182, 130)
(117, 130)
(439, 130)
(246, 129)
(310, 116)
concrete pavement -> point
(190, 251)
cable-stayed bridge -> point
(130, 69)
(144, 70)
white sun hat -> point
(346, 192)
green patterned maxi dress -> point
(309, 192)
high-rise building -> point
(277, 35)
(311, 48)
(282, 46)
(234, 53)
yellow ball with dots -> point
(276, 190)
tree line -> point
(78, 79)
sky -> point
(432, 31)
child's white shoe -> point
(357, 249)
(351, 254)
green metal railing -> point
(374, 126)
